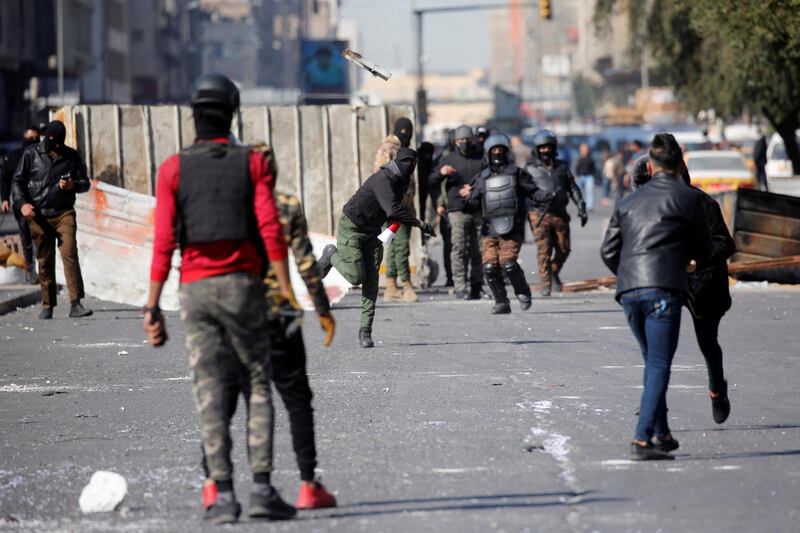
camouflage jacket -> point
(387, 151)
(295, 231)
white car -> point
(778, 164)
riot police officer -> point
(500, 191)
(549, 219)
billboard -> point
(323, 70)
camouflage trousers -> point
(466, 250)
(220, 313)
(552, 243)
(498, 251)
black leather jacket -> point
(380, 199)
(467, 169)
(654, 233)
(709, 294)
(557, 179)
(36, 180)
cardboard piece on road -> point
(590, 284)
(755, 266)
(104, 493)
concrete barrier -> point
(323, 154)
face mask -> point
(497, 161)
(51, 145)
(29, 142)
(406, 167)
(463, 148)
(405, 138)
(546, 157)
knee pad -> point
(489, 269)
(511, 267)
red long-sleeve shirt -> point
(204, 260)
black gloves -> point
(428, 229)
(582, 214)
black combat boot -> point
(545, 288)
(224, 510)
(324, 260)
(521, 288)
(557, 285)
(46, 313)
(365, 338)
(475, 291)
(721, 405)
(494, 279)
(265, 502)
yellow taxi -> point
(719, 170)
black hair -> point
(665, 152)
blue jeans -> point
(586, 183)
(654, 316)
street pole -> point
(422, 100)
(60, 47)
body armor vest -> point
(215, 194)
(500, 202)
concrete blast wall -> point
(323, 152)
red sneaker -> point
(209, 493)
(314, 496)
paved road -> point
(457, 421)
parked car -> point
(719, 170)
(778, 163)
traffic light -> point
(545, 9)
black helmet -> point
(215, 89)
(498, 139)
(544, 137)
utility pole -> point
(60, 47)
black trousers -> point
(707, 330)
(291, 381)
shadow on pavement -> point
(749, 427)
(491, 342)
(736, 455)
(468, 503)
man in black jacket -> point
(7, 169)
(549, 219)
(455, 170)
(44, 187)
(651, 238)
(358, 252)
(500, 191)
(709, 296)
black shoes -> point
(525, 301)
(545, 290)
(267, 503)
(557, 285)
(365, 338)
(475, 292)
(46, 313)
(324, 261)
(224, 512)
(501, 308)
(648, 453)
(666, 445)
(721, 405)
(76, 310)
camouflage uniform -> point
(233, 304)
(399, 249)
(552, 243)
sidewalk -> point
(13, 297)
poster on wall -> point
(323, 70)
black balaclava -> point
(29, 142)
(403, 130)
(212, 121)
(54, 136)
(498, 161)
(546, 158)
(406, 161)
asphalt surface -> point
(456, 421)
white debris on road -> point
(104, 493)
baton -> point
(546, 208)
